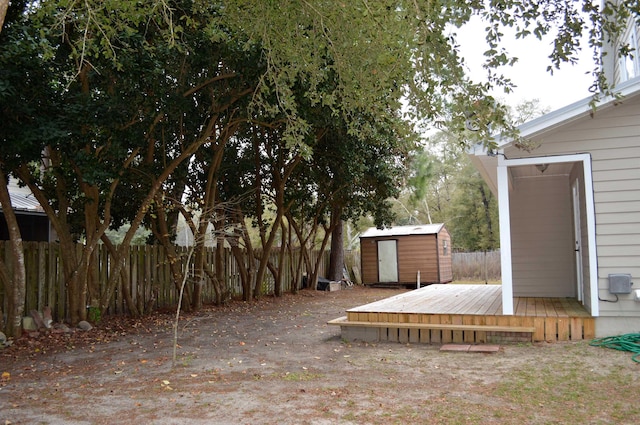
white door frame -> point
(577, 238)
(505, 225)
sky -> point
(565, 86)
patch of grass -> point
(351, 417)
(187, 360)
(567, 392)
(301, 376)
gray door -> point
(387, 261)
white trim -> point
(562, 116)
(574, 111)
(505, 223)
(505, 237)
(591, 235)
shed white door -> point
(387, 261)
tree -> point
(379, 54)
(124, 122)
(357, 177)
(15, 280)
(475, 224)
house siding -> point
(612, 137)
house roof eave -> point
(486, 162)
(573, 112)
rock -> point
(28, 324)
(3, 339)
(85, 326)
(61, 327)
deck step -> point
(342, 321)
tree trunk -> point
(15, 282)
(222, 287)
(217, 277)
(161, 232)
(294, 262)
(313, 277)
(244, 258)
(304, 259)
(124, 280)
(277, 274)
(487, 215)
(336, 259)
(266, 254)
(245, 271)
(76, 258)
(199, 278)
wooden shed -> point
(398, 255)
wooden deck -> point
(466, 313)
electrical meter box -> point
(620, 283)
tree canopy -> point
(351, 57)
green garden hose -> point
(626, 342)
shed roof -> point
(22, 199)
(420, 229)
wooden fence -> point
(476, 266)
(150, 280)
(151, 284)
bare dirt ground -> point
(277, 362)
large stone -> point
(28, 324)
(85, 326)
(3, 338)
(335, 286)
(61, 327)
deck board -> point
(554, 319)
(440, 299)
(470, 300)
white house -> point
(570, 208)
